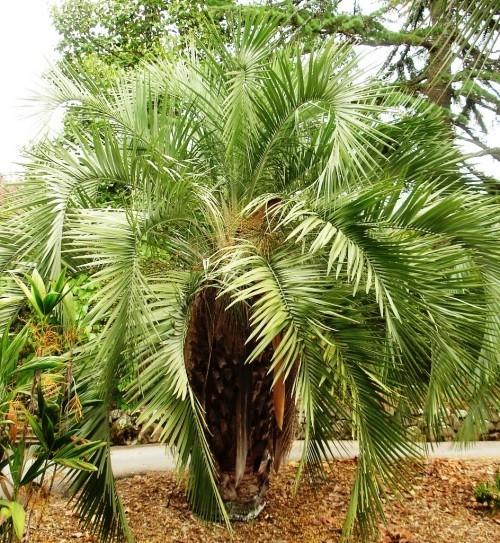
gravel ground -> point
(438, 508)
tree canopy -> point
(447, 50)
(443, 49)
(117, 31)
(313, 229)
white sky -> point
(27, 43)
(27, 49)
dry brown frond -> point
(51, 384)
(75, 407)
(16, 418)
(71, 336)
(48, 340)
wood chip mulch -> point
(438, 508)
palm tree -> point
(289, 241)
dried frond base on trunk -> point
(238, 401)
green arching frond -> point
(107, 243)
(94, 493)
(469, 30)
(483, 403)
(11, 300)
(353, 356)
(452, 298)
(368, 398)
(248, 67)
(319, 95)
(161, 354)
(43, 200)
(163, 391)
(287, 296)
(415, 148)
(318, 407)
(376, 429)
(392, 226)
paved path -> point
(127, 461)
(143, 458)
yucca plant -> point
(292, 240)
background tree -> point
(123, 33)
(118, 32)
(293, 237)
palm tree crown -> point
(279, 213)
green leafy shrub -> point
(488, 493)
(40, 408)
(43, 299)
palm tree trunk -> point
(237, 398)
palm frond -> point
(165, 395)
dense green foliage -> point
(40, 410)
(330, 212)
(116, 31)
(122, 33)
(446, 50)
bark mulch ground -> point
(438, 508)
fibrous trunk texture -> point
(439, 65)
(246, 437)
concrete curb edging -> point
(133, 460)
(139, 459)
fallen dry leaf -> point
(438, 508)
